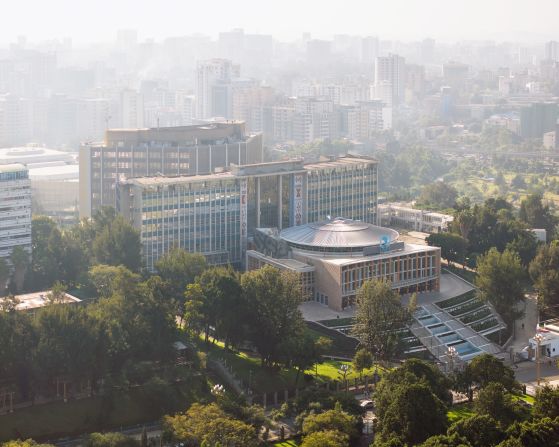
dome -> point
(339, 233)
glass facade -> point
(348, 191)
(202, 217)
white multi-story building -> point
(391, 68)
(15, 209)
(211, 76)
(405, 216)
(131, 109)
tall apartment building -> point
(184, 150)
(249, 103)
(217, 214)
(391, 69)
(362, 121)
(552, 50)
(16, 120)
(213, 78)
(131, 109)
(314, 119)
(15, 209)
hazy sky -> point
(98, 20)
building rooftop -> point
(340, 162)
(408, 249)
(339, 233)
(37, 300)
(31, 155)
(14, 167)
(58, 172)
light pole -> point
(538, 338)
(451, 354)
(343, 371)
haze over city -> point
(279, 223)
(92, 21)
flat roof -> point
(13, 167)
(61, 172)
(348, 260)
(37, 300)
(340, 162)
(291, 264)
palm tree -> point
(20, 260)
(4, 275)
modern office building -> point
(217, 214)
(165, 151)
(334, 257)
(15, 209)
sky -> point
(88, 21)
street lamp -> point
(343, 371)
(451, 354)
(538, 338)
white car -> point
(367, 404)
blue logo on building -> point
(384, 244)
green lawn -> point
(51, 421)
(288, 443)
(460, 411)
(269, 380)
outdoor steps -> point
(437, 347)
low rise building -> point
(36, 300)
(344, 253)
(403, 215)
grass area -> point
(455, 301)
(466, 308)
(265, 380)
(525, 398)
(51, 421)
(483, 325)
(335, 322)
(460, 411)
(288, 443)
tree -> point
(178, 268)
(485, 369)
(536, 433)
(537, 215)
(208, 424)
(446, 441)
(118, 244)
(526, 245)
(326, 438)
(272, 299)
(110, 440)
(26, 443)
(478, 430)
(57, 293)
(362, 360)
(544, 271)
(304, 351)
(493, 400)
(335, 419)
(453, 246)
(378, 316)
(110, 279)
(414, 414)
(4, 276)
(518, 182)
(499, 282)
(20, 261)
(546, 403)
(438, 195)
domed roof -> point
(339, 233)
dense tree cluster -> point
(133, 321)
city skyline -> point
(401, 19)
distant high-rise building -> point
(455, 74)
(131, 109)
(552, 50)
(369, 50)
(213, 78)
(319, 52)
(537, 119)
(391, 69)
(15, 209)
(427, 50)
(16, 120)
